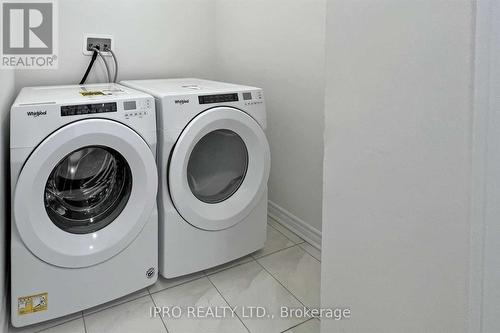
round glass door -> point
(76, 203)
(218, 169)
(217, 166)
(88, 189)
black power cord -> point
(91, 64)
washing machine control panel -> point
(129, 108)
(83, 109)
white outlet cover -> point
(89, 53)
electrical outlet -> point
(103, 42)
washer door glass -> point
(217, 166)
(88, 189)
(218, 169)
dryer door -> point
(219, 168)
(85, 193)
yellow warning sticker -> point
(91, 93)
(31, 304)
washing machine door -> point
(219, 168)
(85, 193)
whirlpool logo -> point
(181, 101)
(35, 114)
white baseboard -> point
(295, 224)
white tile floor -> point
(285, 273)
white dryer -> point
(84, 185)
(213, 162)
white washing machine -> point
(213, 162)
(84, 184)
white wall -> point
(487, 100)
(397, 164)
(6, 98)
(154, 39)
(238, 41)
(278, 45)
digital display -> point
(76, 110)
(130, 105)
(222, 98)
(247, 96)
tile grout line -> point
(113, 306)
(50, 327)
(253, 257)
(207, 275)
(309, 252)
(236, 265)
(298, 245)
(84, 324)
(281, 284)
(154, 303)
(177, 285)
(290, 294)
(225, 300)
(275, 221)
(283, 249)
(307, 307)
(303, 241)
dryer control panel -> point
(250, 98)
(137, 108)
(253, 97)
(220, 98)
